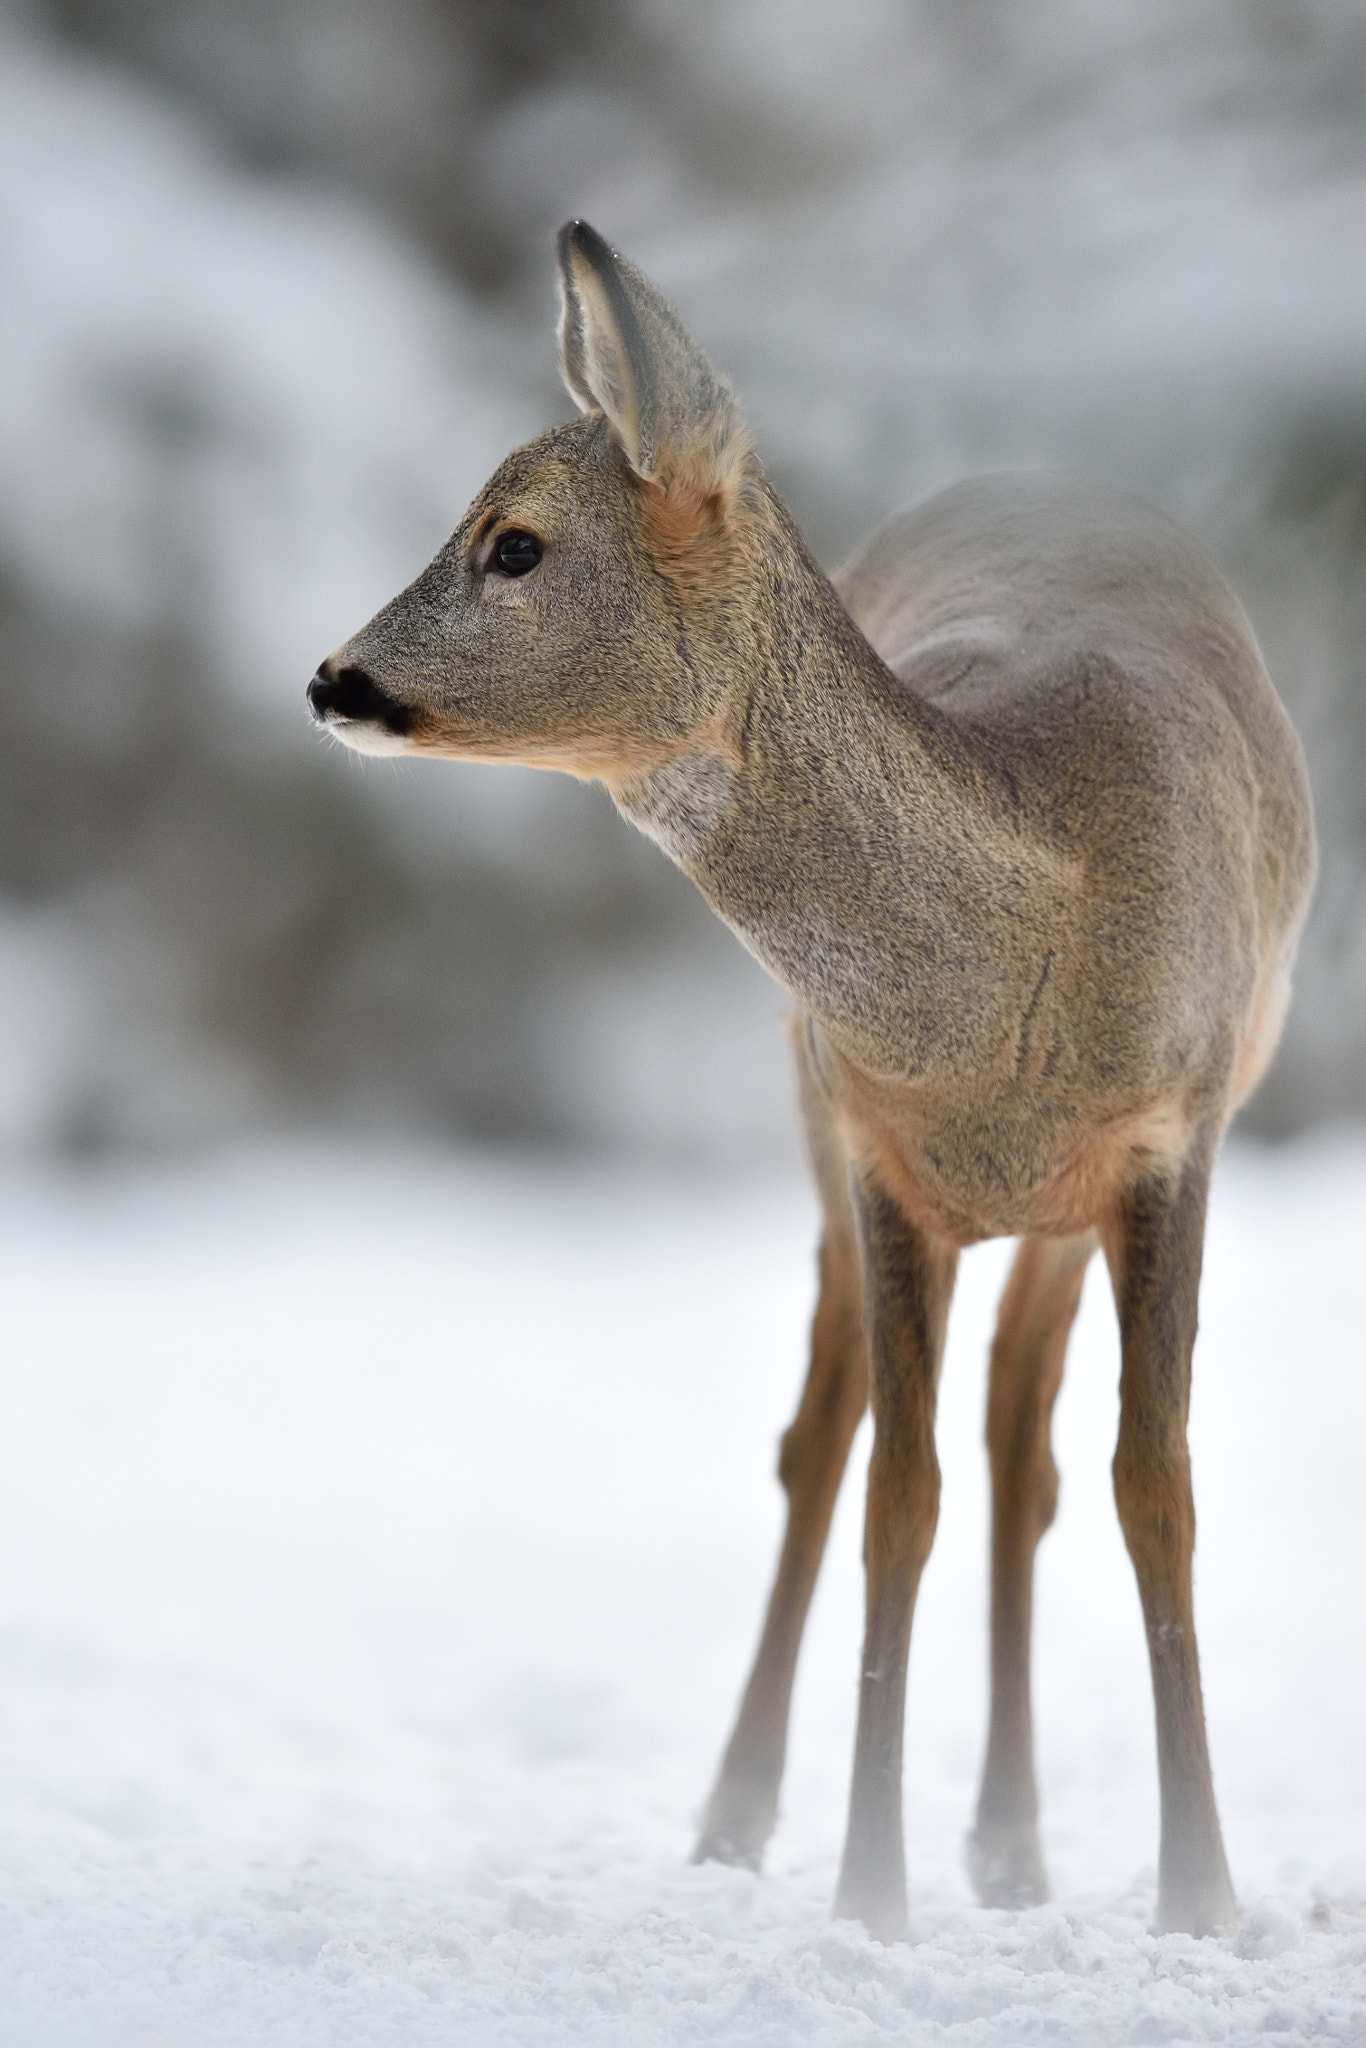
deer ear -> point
(625, 350)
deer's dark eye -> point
(517, 552)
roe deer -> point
(1013, 812)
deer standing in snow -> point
(1013, 812)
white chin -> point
(366, 738)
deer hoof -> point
(1210, 1911)
(1006, 1867)
(740, 1818)
(715, 1847)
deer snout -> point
(350, 703)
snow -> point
(385, 1537)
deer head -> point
(586, 612)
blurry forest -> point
(276, 292)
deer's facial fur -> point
(614, 655)
(587, 662)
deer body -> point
(1017, 818)
(1003, 868)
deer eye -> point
(517, 552)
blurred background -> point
(276, 293)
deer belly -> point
(992, 1169)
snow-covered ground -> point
(383, 1540)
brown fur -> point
(1015, 815)
(1035, 1320)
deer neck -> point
(834, 819)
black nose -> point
(351, 695)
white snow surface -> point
(384, 1540)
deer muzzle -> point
(350, 703)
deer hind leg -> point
(744, 1803)
(1154, 1249)
(908, 1282)
(1032, 1328)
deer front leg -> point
(1154, 1249)
(907, 1282)
(744, 1803)
(1033, 1325)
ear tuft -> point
(624, 350)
